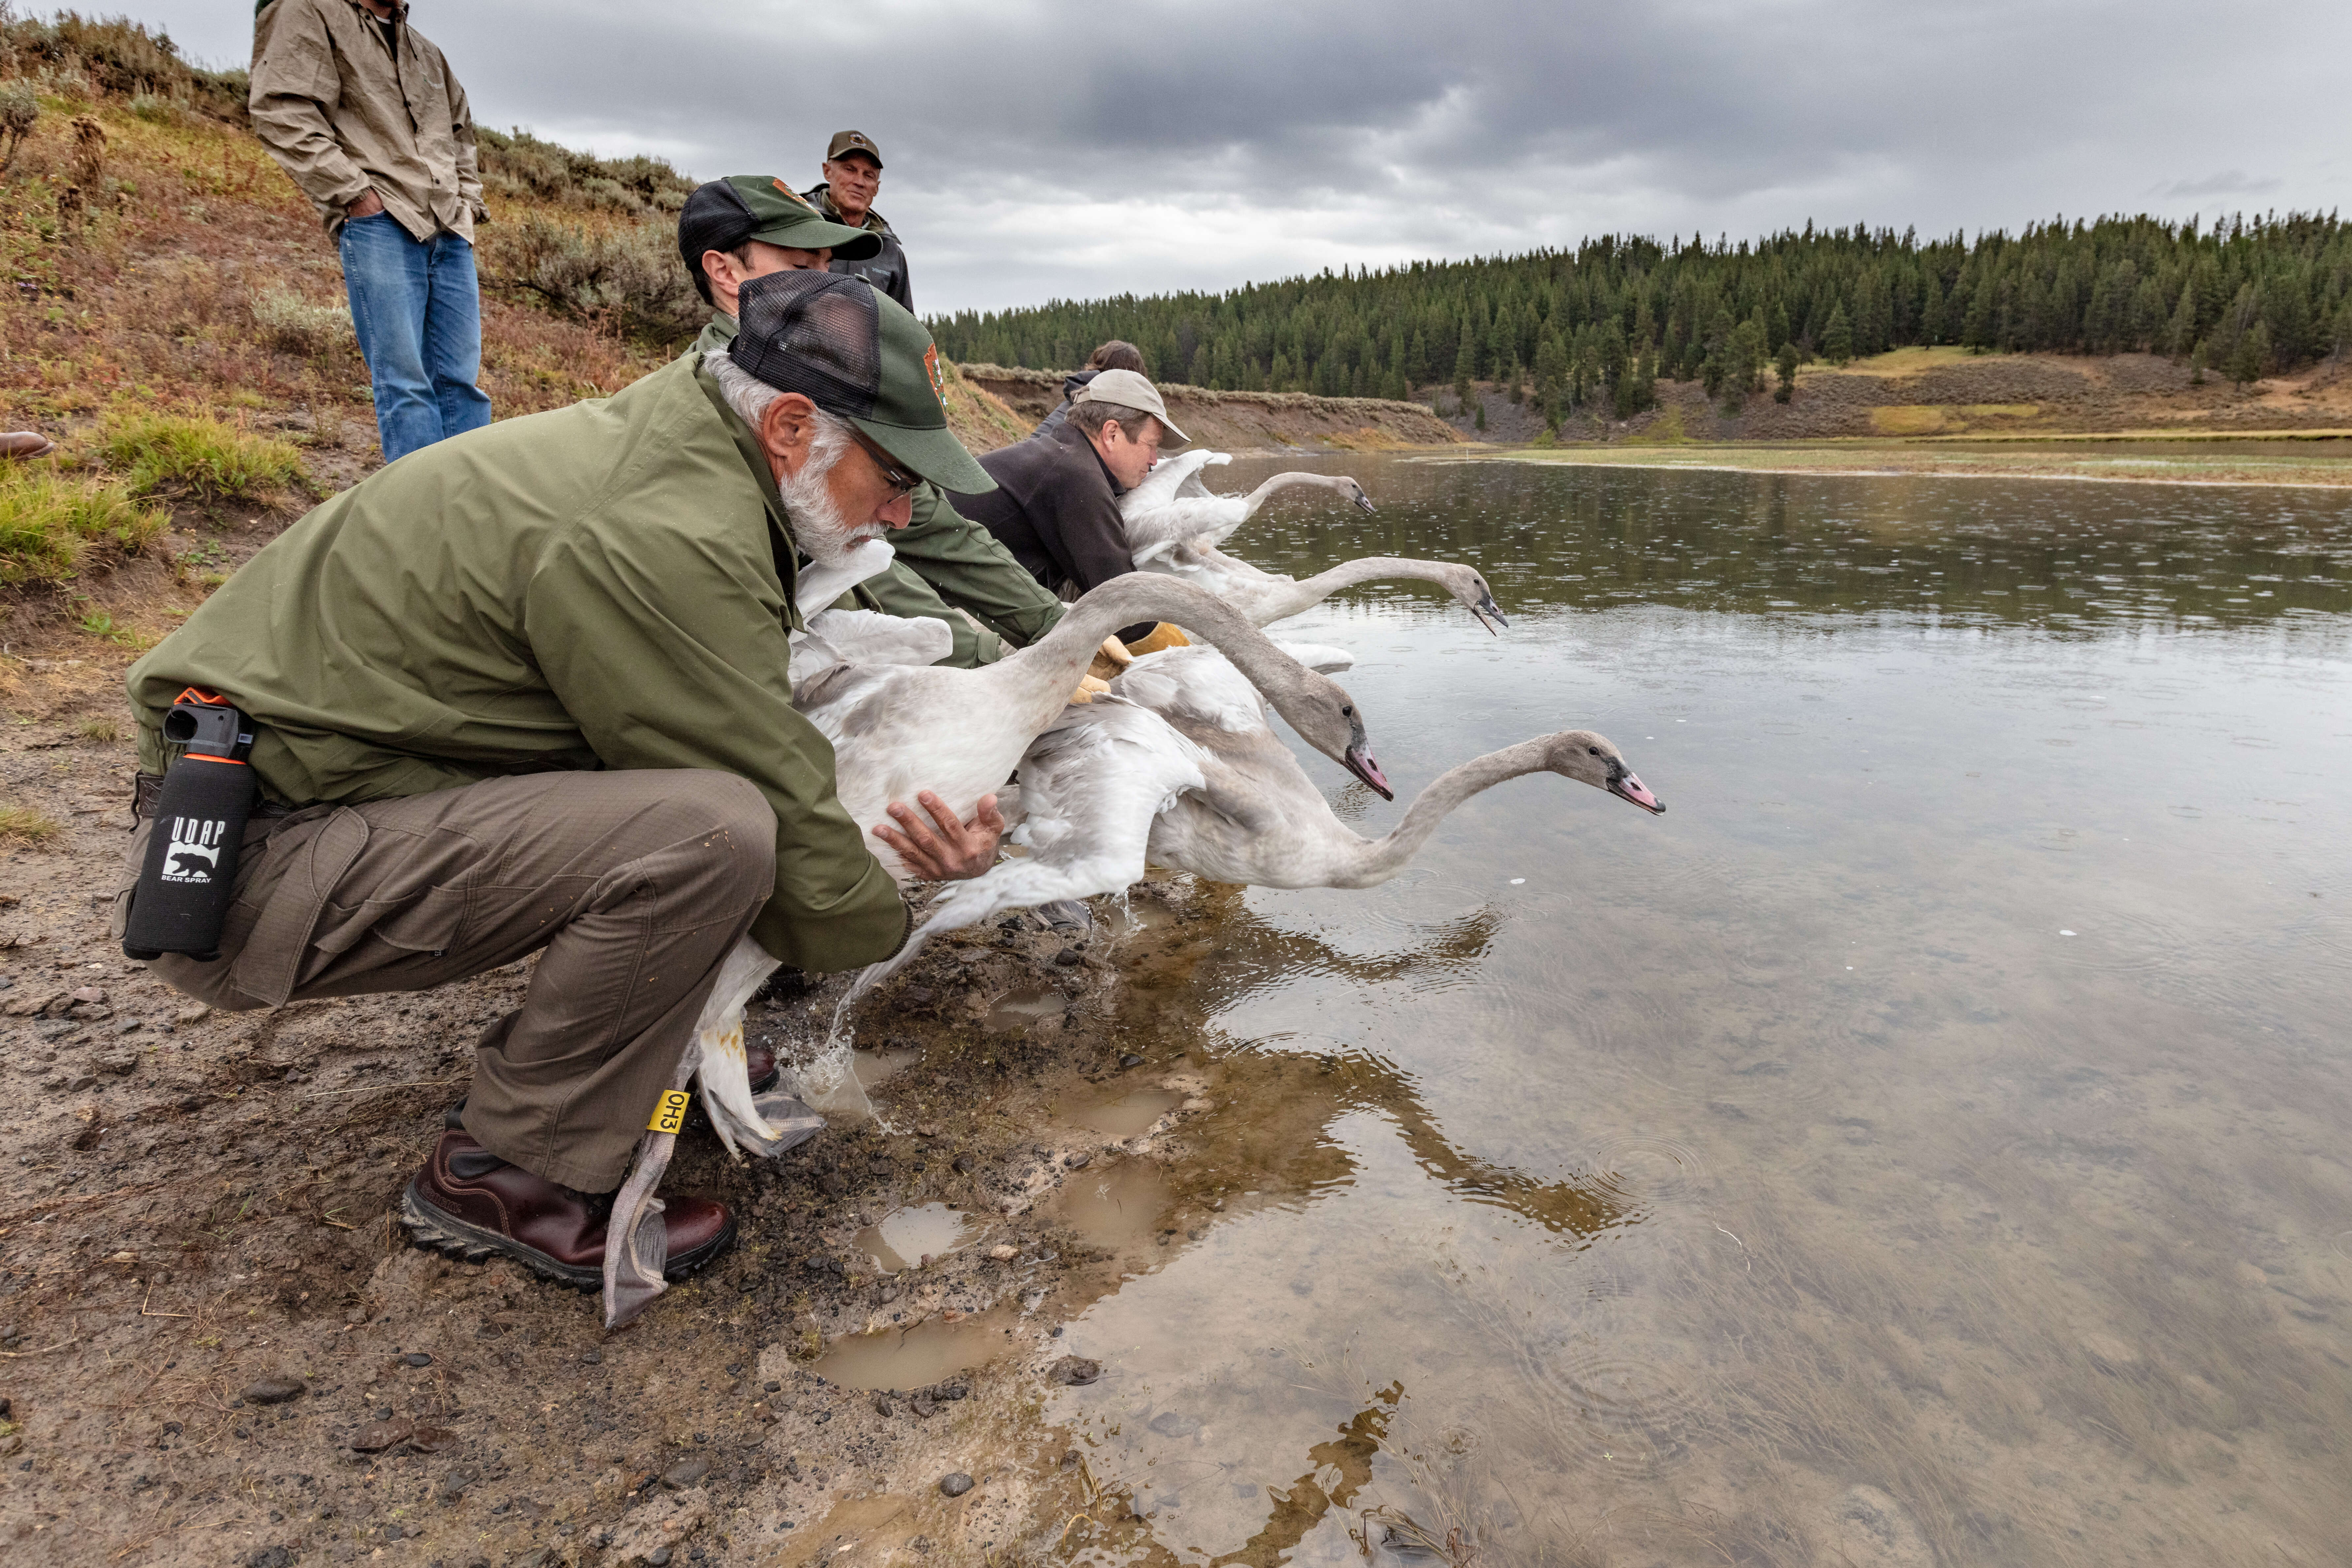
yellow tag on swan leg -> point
(669, 1112)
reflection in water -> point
(1943, 1111)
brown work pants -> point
(637, 884)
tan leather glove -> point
(1163, 636)
(1109, 659)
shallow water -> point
(906, 1237)
(1926, 1142)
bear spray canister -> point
(190, 873)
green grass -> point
(200, 457)
(47, 522)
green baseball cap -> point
(860, 355)
(724, 213)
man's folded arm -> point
(294, 83)
(668, 653)
(969, 569)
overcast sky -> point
(1038, 151)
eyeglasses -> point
(900, 481)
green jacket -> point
(946, 563)
(607, 585)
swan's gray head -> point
(1588, 758)
(1469, 587)
(1326, 717)
(1356, 493)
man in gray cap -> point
(744, 227)
(1055, 505)
(853, 173)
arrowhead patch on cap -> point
(793, 195)
(939, 377)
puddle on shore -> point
(1129, 1115)
(1114, 1208)
(907, 1236)
(916, 1357)
(876, 1067)
(1019, 1009)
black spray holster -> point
(190, 874)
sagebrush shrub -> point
(290, 323)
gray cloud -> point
(1038, 151)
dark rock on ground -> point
(685, 1473)
(274, 1390)
(1130, 1060)
(416, 1358)
(377, 1436)
(955, 1485)
(1074, 1371)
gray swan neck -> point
(1381, 858)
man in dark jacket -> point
(853, 172)
(1116, 355)
(1055, 505)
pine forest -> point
(1603, 323)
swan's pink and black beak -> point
(1625, 786)
(1489, 614)
(1360, 762)
(1363, 501)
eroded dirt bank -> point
(1229, 421)
(220, 1349)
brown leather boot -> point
(25, 443)
(468, 1203)
(760, 1067)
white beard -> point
(818, 525)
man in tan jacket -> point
(360, 111)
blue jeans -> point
(417, 310)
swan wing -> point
(1090, 789)
(1194, 686)
(845, 699)
(1190, 482)
(1167, 478)
(818, 587)
(870, 636)
(1320, 658)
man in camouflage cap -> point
(947, 568)
(528, 690)
(853, 173)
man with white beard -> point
(528, 690)
(947, 569)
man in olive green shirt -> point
(947, 568)
(530, 691)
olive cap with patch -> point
(852, 142)
(860, 355)
(724, 213)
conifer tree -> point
(1837, 337)
(1785, 365)
(2251, 359)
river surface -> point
(1928, 1142)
